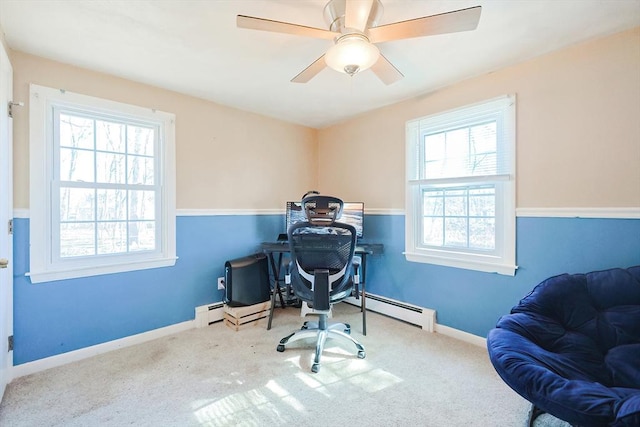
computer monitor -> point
(352, 213)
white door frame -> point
(6, 214)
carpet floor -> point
(214, 376)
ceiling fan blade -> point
(311, 71)
(386, 71)
(449, 22)
(356, 14)
(262, 24)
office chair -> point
(322, 270)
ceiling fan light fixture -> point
(351, 54)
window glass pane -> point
(112, 237)
(434, 155)
(433, 203)
(455, 203)
(77, 239)
(468, 151)
(141, 170)
(76, 132)
(76, 165)
(140, 140)
(447, 212)
(434, 147)
(482, 233)
(455, 232)
(457, 149)
(482, 202)
(433, 231)
(435, 168)
(142, 235)
(482, 164)
(142, 205)
(483, 138)
(99, 220)
(76, 204)
(110, 136)
(112, 205)
(110, 168)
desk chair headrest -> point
(322, 210)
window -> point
(102, 192)
(460, 202)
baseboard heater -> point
(208, 314)
(419, 316)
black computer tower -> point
(247, 280)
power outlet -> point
(220, 283)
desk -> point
(271, 249)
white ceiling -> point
(194, 47)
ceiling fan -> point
(353, 28)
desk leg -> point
(277, 277)
(273, 305)
(276, 286)
(363, 304)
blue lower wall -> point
(57, 317)
(473, 301)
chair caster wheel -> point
(361, 354)
(280, 348)
(315, 367)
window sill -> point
(88, 271)
(482, 263)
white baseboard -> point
(461, 335)
(84, 353)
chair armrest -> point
(287, 273)
(357, 261)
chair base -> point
(321, 331)
(305, 310)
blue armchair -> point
(572, 348)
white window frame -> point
(45, 266)
(502, 259)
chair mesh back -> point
(323, 248)
(331, 250)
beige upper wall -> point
(225, 158)
(578, 135)
(578, 131)
(2, 40)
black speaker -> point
(247, 280)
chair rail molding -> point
(614, 212)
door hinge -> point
(10, 226)
(10, 342)
(11, 105)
